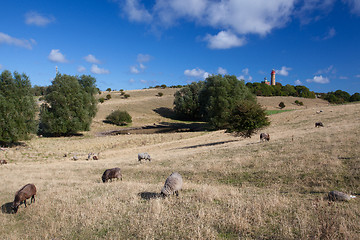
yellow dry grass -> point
(233, 187)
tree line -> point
(68, 106)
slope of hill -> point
(233, 187)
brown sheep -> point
(27, 191)
(111, 173)
(264, 137)
(3, 162)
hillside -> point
(233, 187)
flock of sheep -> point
(173, 184)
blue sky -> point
(133, 44)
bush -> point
(355, 97)
(299, 103)
(160, 94)
(247, 118)
(126, 95)
(69, 105)
(17, 108)
(101, 100)
(119, 118)
(108, 89)
(108, 97)
(281, 105)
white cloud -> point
(354, 6)
(95, 69)
(135, 11)
(224, 40)
(56, 56)
(196, 72)
(245, 71)
(319, 79)
(131, 80)
(328, 70)
(357, 76)
(313, 10)
(343, 77)
(91, 59)
(81, 69)
(34, 18)
(330, 34)
(141, 58)
(143, 81)
(222, 71)
(7, 39)
(134, 70)
(142, 66)
(284, 71)
(298, 82)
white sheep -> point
(172, 185)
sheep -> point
(111, 173)
(264, 137)
(27, 191)
(172, 185)
(3, 162)
(93, 156)
(339, 196)
(144, 156)
(319, 124)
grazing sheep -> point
(27, 191)
(3, 162)
(75, 158)
(264, 137)
(319, 124)
(339, 196)
(172, 185)
(144, 156)
(93, 156)
(110, 174)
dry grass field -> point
(234, 188)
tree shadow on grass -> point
(166, 112)
(6, 208)
(149, 195)
(208, 144)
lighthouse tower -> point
(273, 77)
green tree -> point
(186, 102)
(355, 97)
(108, 89)
(69, 105)
(108, 97)
(247, 118)
(219, 97)
(17, 107)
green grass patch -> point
(271, 112)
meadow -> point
(234, 188)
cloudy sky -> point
(133, 44)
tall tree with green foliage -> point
(69, 105)
(186, 101)
(17, 107)
(219, 97)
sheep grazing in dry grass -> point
(93, 156)
(26, 192)
(264, 137)
(339, 196)
(3, 162)
(144, 156)
(172, 185)
(111, 173)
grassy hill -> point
(233, 187)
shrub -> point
(299, 103)
(281, 105)
(126, 95)
(160, 94)
(355, 97)
(122, 93)
(119, 118)
(69, 105)
(17, 107)
(101, 100)
(108, 89)
(163, 86)
(108, 97)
